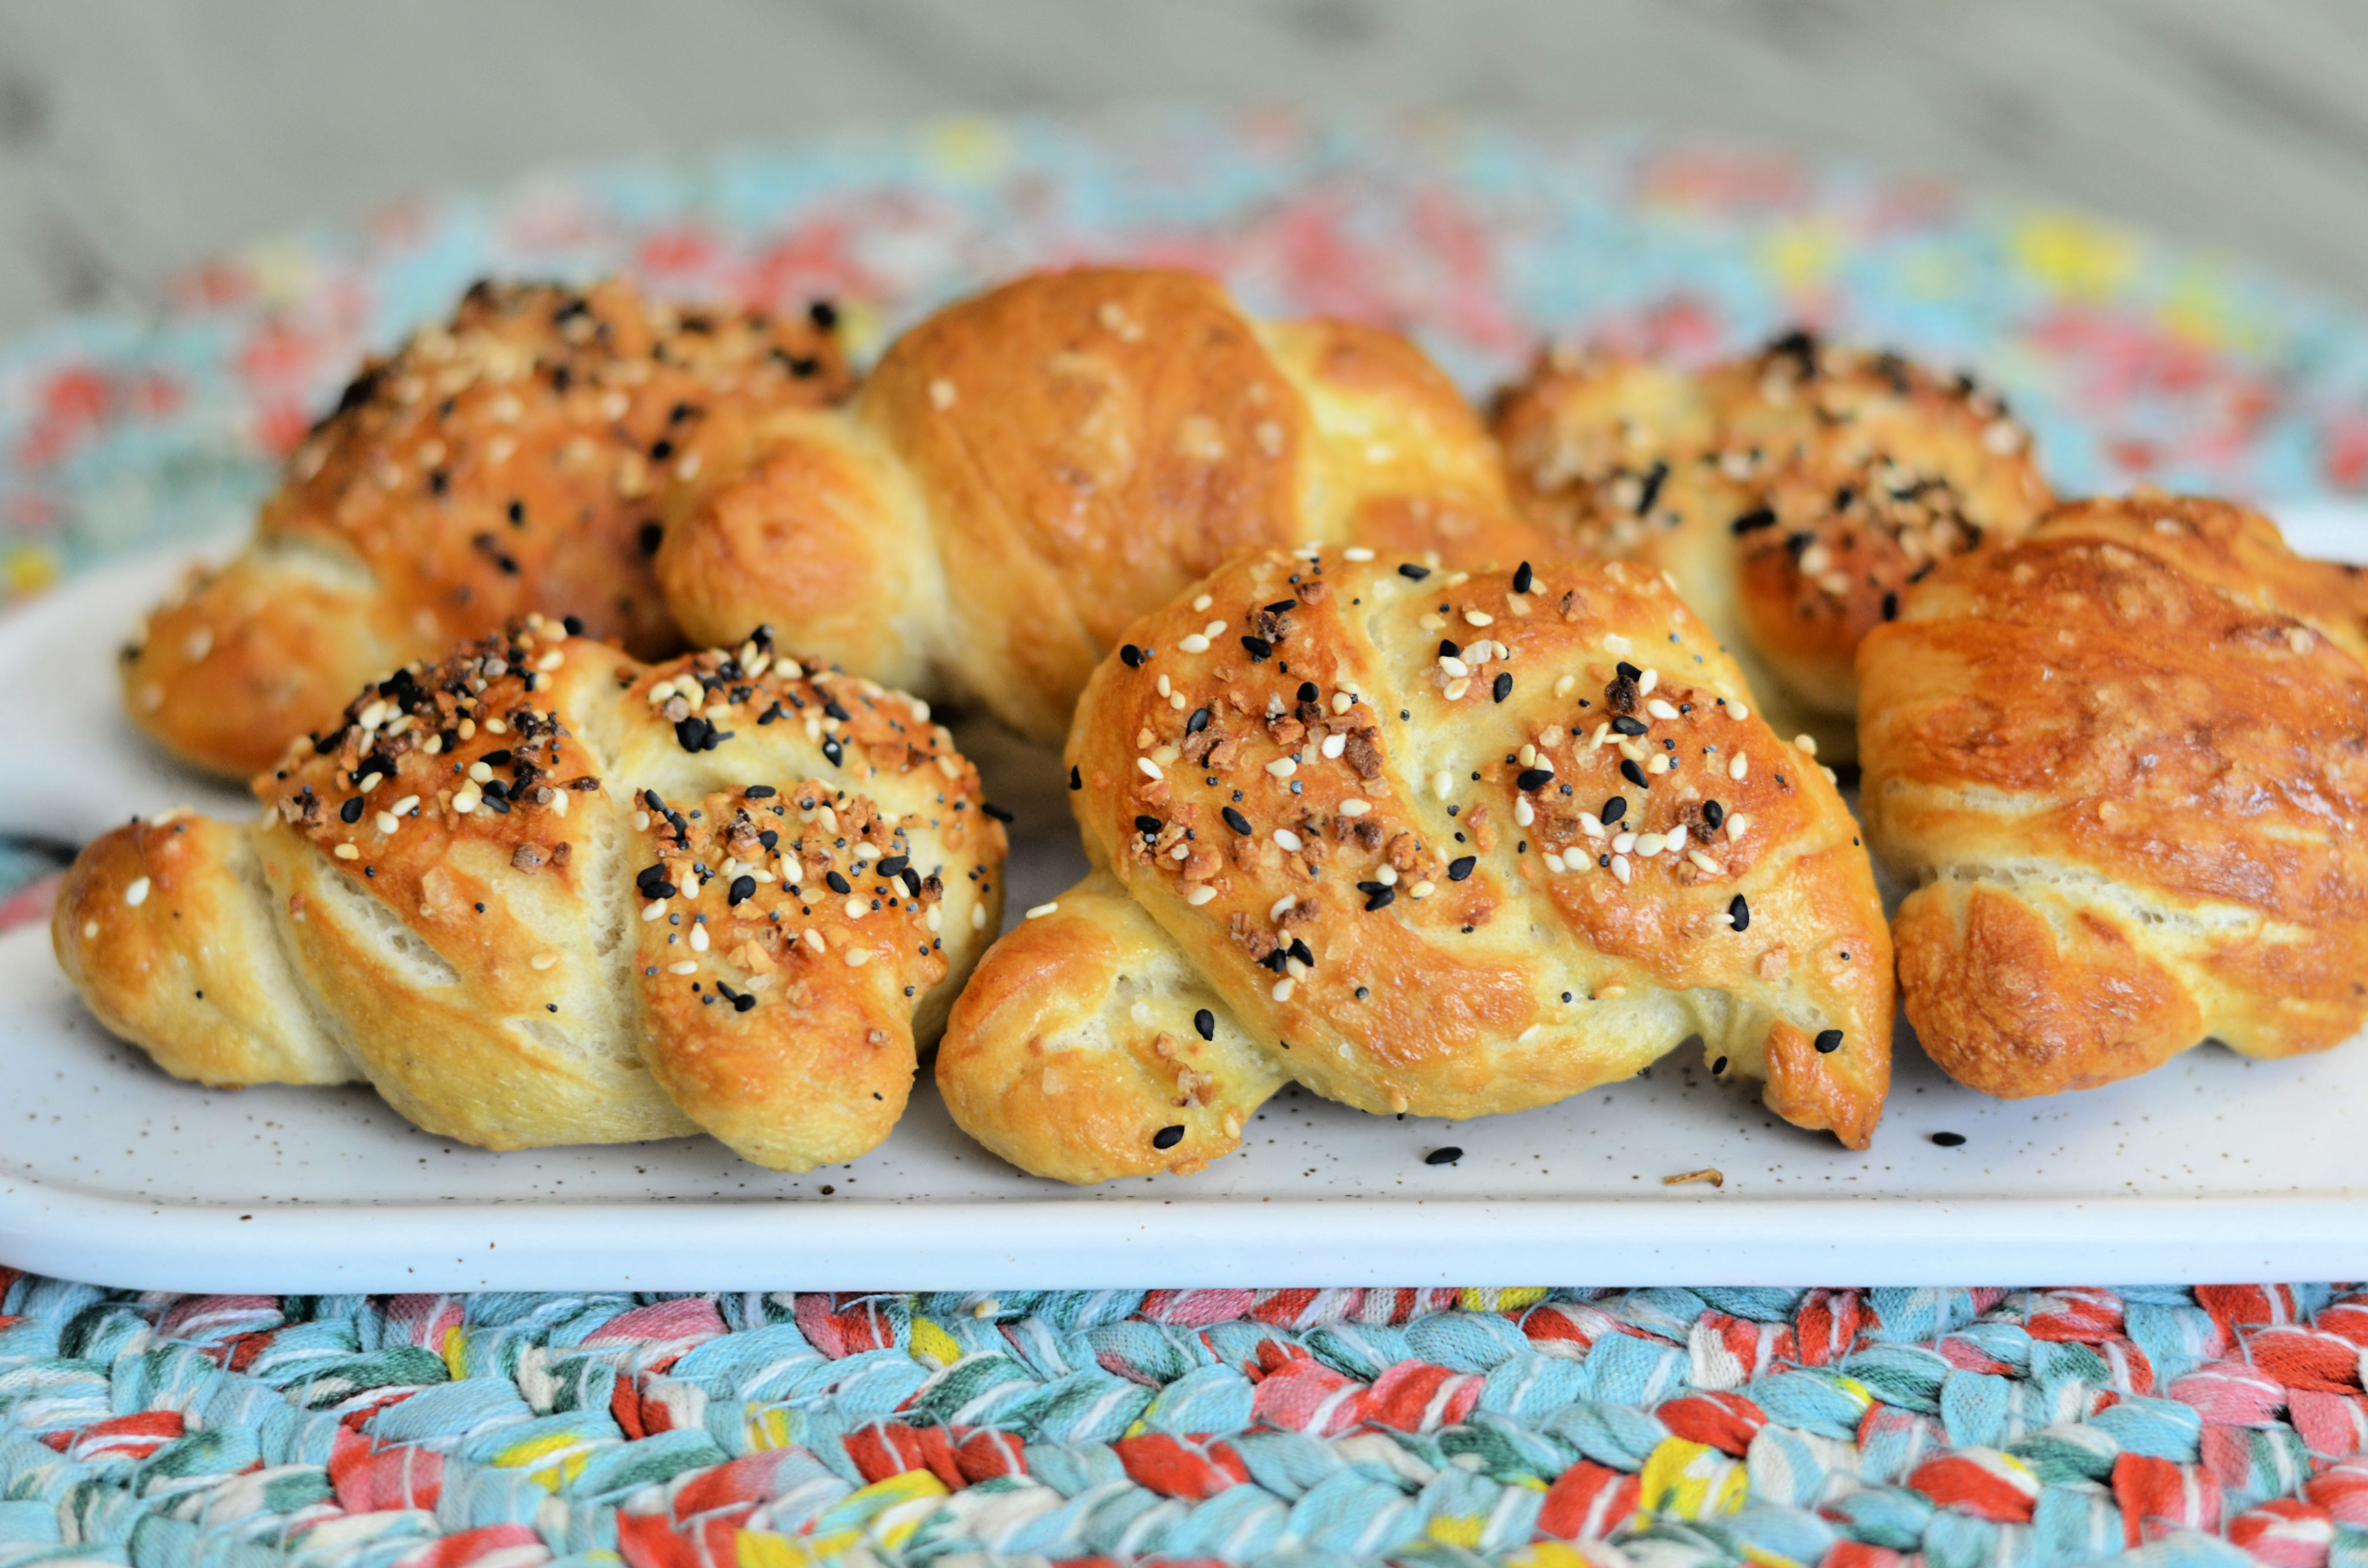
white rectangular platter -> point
(2212, 1168)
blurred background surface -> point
(136, 139)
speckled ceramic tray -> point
(2213, 1167)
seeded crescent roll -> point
(1424, 842)
(1794, 495)
(2124, 763)
(1025, 473)
(541, 893)
(517, 458)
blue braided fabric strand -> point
(1660, 1429)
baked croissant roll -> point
(1026, 472)
(515, 458)
(1424, 842)
(541, 893)
(1794, 495)
(2124, 764)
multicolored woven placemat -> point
(1667, 1428)
(1662, 1428)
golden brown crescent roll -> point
(1026, 472)
(1794, 495)
(541, 893)
(1424, 842)
(2125, 761)
(1029, 471)
(515, 458)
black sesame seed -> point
(759, 792)
(1302, 952)
(831, 706)
(1076, 782)
(498, 758)
(1460, 867)
(1258, 647)
(1633, 773)
(1307, 692)
(1627, 670)
(823, 314)
(1714, 813)
(912, 880)
(1718, 1068)
(893, 865)
(1205, 1022)
(998, 812)
(838, 884)
(1503, 687)
(1891, 606)
(1948, 1140)
(1751, 522)
(743, 1001)
(1377, 896)
(572, 624)
(1130, 655)
(1197, 722)
(351, 812)
(1534, 777)
(831, 749)
(1237, 821)
(743, 887)
(1167, 1136)
(652, 536)
(1445, 1155)
(1522, 578)
(1627, 726)
(1448, 650)
(1614, 808)
(1738, 914)
(1148, 825)
(1412, 571)
(1829, 1041)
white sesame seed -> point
(1342, 701)
(1622, 842)
(1431, 620)
(813, 938)
(935, 918)
(1353, 806)
(1739, 766)
(1193, 643)
(1454, 665)
(1615, 644)
(1282, 990)
(687, 966)
(542, 960)
(388, 822)
(1736, 823)
(1602, 733)
(1703, 860)
(1479, 618)
(941, 394)
(89, 930)
(653, 909)
(1523, 813)
(978, 917)
(1456, 689)
(405, 805)
(1737, 712)
(373, 714)
(1660, 763)
(1181, 851)
(1675, 839)
(1387, 876)
(468, 800)
(1200, 895)
(1661, 707)
(551, 660)
(1443, 783)
(1282, 767)
(1164, 687)
(497, 727)
(1648, 844)
(1554, 861)
(2298, 639)
(1590, 824)
(1151, 769)
(371, 782)
(697, 937)
(1646, 682)
(1201, 602)
(1332, 747)
(1289, 840)
(1041, 910)
(1282, 906)
(347, 852)
(855, 908)
(137, 893)
(1565, 686)
(1421, 889)
(857, 957)
(1356, 552)
(479, 773)
(1806, 742)
(1620, 869)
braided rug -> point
(1663, 1428)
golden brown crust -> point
(2125, 759)
(1793, 495)
(517, 457)
(1371, 769)
(541, 893)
